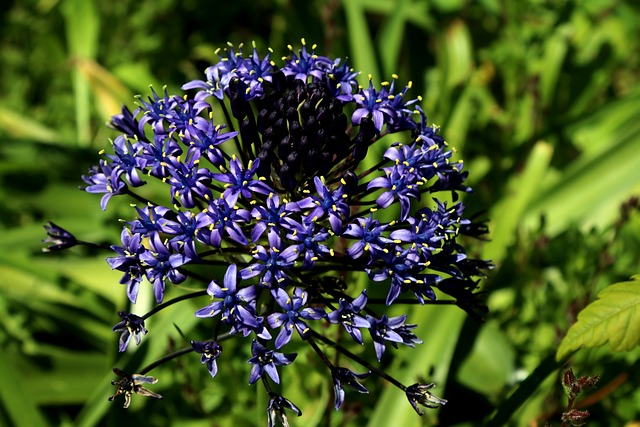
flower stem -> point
(174, 355)
(165, 359)
(356, 359)
(173, 301)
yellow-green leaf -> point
(614, 317)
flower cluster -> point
(304, 181)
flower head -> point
(307, 189)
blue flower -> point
(184, 231)
(344, 377)
(161, 265)
(306, 64)
(205, 140)
(255, 70)
(273, 215)
(128, 260)
(157, 111)
(223, 220)
(189, 182)
(368, 231)
(210, 351)
(159, 152)
(272, 262)
(218, 75)
(401, 184)
(128, 160)
(236, 306)
(265, 360)
(150, 221)
(391, 329)
(130, 326)
(309, 241)
(127, 123)
(105, 179)
(239, 181)
(295, 311)
(326, 202)
(348, 315)
(406, 274)
(342, 80)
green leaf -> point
(15, 398)
(614, 317)
(82, 23)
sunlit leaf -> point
(614, 317)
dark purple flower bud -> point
(59, 238)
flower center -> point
(304, 134)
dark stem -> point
(174, 355)
(138, 197)
(358, 359)
(164, 359)
(173, 301)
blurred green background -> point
(541, 98)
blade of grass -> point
(391, 36)
(109, 92)
(21, 126)
(508, 212)
(361, 47)
(591, 193)
(82, 27)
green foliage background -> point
(541, 98)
